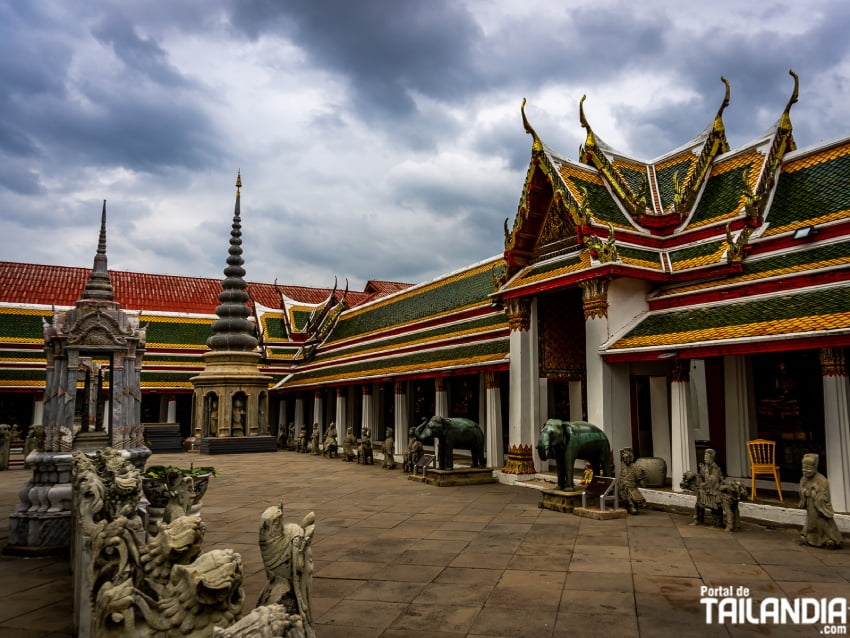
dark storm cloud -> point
(387, 50)
(145, 118)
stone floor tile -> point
(578, 622)
(514, 622)
(435, 620)
(366, 614)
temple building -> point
(697, 299)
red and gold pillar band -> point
(367, 389)
(439, 384)
(399, 387)
(832, 362)
(491, 380)
(518, 310)
(340, 392)
(595, 298)
(681, 371)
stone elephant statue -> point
(453, 433)
(566, 441)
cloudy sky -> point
(377, 139)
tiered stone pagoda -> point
(91, 348)
(230, 404)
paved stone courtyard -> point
(396, 558)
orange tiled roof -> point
(42, 284)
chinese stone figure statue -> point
(292, 440)
(820, 529)
(364, 452)
(414, 451)
(348, 445)
(5, 445)
(331, 444)
(706, 483)
(731, 492)
(302, 440)
(631, 477)
(388, 448)
(314, 441)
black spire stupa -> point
(233, 330)
(99, 286)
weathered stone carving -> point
(288, 557)
(364, 452)
(453, 433)
(302, 441)
(388, 448)
(414, 451)
(331, 446)
(34, 440)
(165, 586)
(5, 445)
(706, 483)
(348, 444)
(731, 492)
(631, 478)
(314, 442)
(566, 441)
(819, 529)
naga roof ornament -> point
(755, 200)
(715, 144)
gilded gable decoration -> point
(833, 362)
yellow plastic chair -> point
(762, 455)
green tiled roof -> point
(444, 331)
(455, 292)
(604, 208)
(628, 253)
(664, 177)
(705, 249)
(177, 332)
(810, 310)
(721, 197)
(492, 349)
(811, 193)
(634, 178)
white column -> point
(441, 406)
(282, 426)
(368, 413)
(401, 419)
(38, 410)
(740, 419)
(318, 413)
(836, 411)
(495, 447)
(524, 405)
(660, 419)
(171, 416)
(681, 438)
(341, 415)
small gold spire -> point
(238, 179)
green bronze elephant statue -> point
(566, 441)
(453, 433)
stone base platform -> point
(238, 444)
(460, 476)
(599, 515)
(560, 501)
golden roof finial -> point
(785, 118)
(590, 141)
(537, 145)
(238, 180)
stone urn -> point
(655, 470)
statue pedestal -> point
(460, 476)
(560, 500)
(599, 515)
(237, 444)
